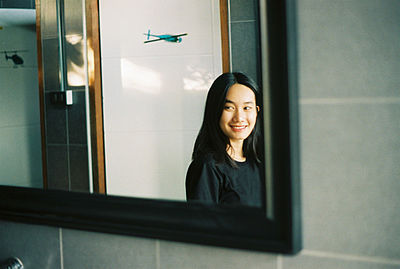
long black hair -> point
(211, 139)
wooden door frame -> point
(41, 91)
(224, 20)
(95, 95)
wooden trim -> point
(41, 91)
(95, 95)
(223, 9)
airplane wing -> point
(170, 38)
(178, 35)
(153, 40)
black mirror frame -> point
(239, 227)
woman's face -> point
(239, 114)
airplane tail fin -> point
(148, 34)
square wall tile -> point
(146, 164)
(349, 48)
(347, 262)
(77, 131)
(183, 255)
(19, 97)
(196, 18)
(21, 156)
(51, 64)
(36, 246)
(57, 167)
(155, 93)
(73, 17)
(79, 168)
(56, 122)
(243, 10)
(245, 49)
(350, 159)
(48, 12)
(83, 249)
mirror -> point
(102, 92)
(153, 93)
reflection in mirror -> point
(20, 143)
(67, 138)
(153, 94)
(227, 166)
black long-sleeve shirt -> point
(219, 183)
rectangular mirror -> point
(118, 103)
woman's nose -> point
(238, 116)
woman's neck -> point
(235, 151)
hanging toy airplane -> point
(168, 38)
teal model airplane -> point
(168, 38)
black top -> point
(220, 183)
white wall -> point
(20, 145)
(153, 94)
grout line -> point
(158, 264)
(61, 248)
(16, 68)
(348, 257)
(118, 57)
(60, 144)
(352, 100)
(243, 21)
(180, 131)
(29, 125)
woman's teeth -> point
(238, 127)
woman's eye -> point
(228, 107)
(248, 108)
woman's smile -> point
(238, 128)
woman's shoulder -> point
(207, 159)
(204, 168)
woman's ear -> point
(258, 108)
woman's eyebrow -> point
(246, 103)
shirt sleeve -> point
(203, 182)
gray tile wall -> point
(66, 140)
(244, 35)
(350, 121)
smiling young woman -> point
(238, 118)
(226, 166)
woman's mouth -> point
(238, 128)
